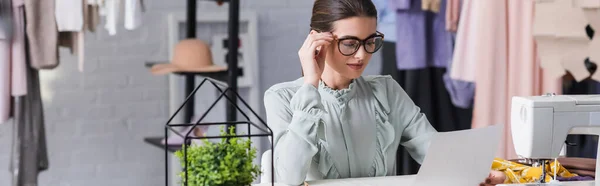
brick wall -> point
(96, 119)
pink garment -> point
(18, 63)
(13, 79)
(496, 50)
(4, 78)
(452, 15)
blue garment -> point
(462, 93)
(422, 39)
(386, 22)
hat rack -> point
(226, 82)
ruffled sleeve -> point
(410, 124)
(294, 119)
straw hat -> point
(189, 55)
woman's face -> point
(360, 28)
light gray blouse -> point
(324, 133)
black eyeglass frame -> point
(361, 43)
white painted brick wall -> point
(96, 120)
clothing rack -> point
(232, 60)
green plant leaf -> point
(222, 163)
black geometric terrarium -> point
(225, 92)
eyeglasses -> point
(349, 46)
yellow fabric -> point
(519, 173)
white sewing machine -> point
(540, 125)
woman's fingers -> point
(494, 178)
(317, 38)
(319, 43)
(313, 41)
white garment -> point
(69, 15)
(80, 50)
(110, 9)
(133, 14)
(17, 59)
(4, 79)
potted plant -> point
(220, 164)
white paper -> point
(460, 158)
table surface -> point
(402, 180)
(372, 181)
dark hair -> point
(325, 12)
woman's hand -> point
(495, 177)
(312, 56)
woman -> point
(333, 122)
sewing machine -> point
(540, 125)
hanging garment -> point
(132, 12)
(5, 98)
(29, 150)
(387, 20)
(431, 5)
(427, 89)
(452, 14)
(91, 16)
(495, 49)
(13, 66)
(421, 34)
(42, 33)
(69, 15)
(6, 19)
(18, 54)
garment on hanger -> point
(6, 19)
(495, 49)
(452, 15)
(387, 20)
(427, 88)
(69, 15)
(431, 5)
(423, 34)
(29, 149)
(18, 54)
(132, 12)
(12, 65)
(426, 43)
(42, 33)
(5, 98)
(91, 15)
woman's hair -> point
(325, 12)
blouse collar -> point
(341, 95)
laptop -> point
(459, 158)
